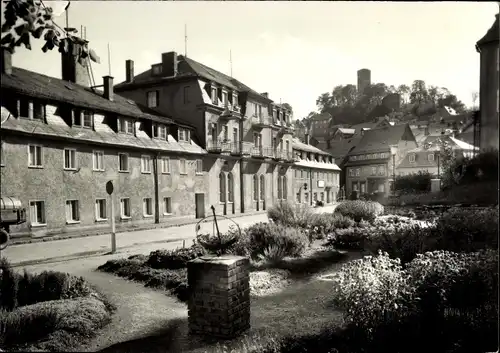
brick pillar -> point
(219, 304)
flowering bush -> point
(174, 259)
(264, 238)
(358, 210)
(373, 290)
(352, 238)
(326, 223)
(461, 229)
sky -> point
(293, 50)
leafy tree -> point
(24, 19)
(419, 93)
(404, 92)
(287, 107)
(323, 102)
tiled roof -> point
(379, 140)
(45, 87)
(35, 127)
(298, 145)
(188, 67)
(490, 36)
(340, 149)
(347, 131)
(320, 116)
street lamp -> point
(394, 151)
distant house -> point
(370, 165)
(319, 125)
(343, 134)
(426, 157)
(340, 150)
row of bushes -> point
(459, 230)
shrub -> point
(290, 215)
(9, 286)
(352, 238)
(373, 290)
(175, 259)
(263, 236)
(461, 229)
(414, 183)
(358, 210)
(325, 223)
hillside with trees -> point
(347, 106)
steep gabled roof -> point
(340, 149)
(300, 146)
(44, 87)
(379, 140)
(188, 67)
(491, 36)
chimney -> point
(169, 64)
(426, 130)
(6, 62)
(129, 70)
(265, 94)
(74, 68)
(108, 87)
(306, 137)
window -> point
(297, 197)
(98, 160)
(100, 210)
(280, 188)
(235, 135)
(199, 166)
(381, 170)
(355, 186)
(224, 98)
(37, 213)
(38, 111)
(165, 165)
(284, 186)
(182, 166)
(302, 174)
(430, 157)
(145, 164)
(381, 187)
(306, 197)
(297, 173)
(358, 171)
(315, 197)
(72, 211)
(214, 95)
(35, 156)
(69, 159)
(222, 187)
(163, 132)
(230, 187)
(374, 171)
(288, 146)
(2, 158)
(186, 95)
(88, 119)
(167, 205)
(77, 117)
(125, 208)
(412, 158)
(255, 188)
(262, 187)
(153, 98)
(125, 126)
(184, 135)
(225, 132)
(147, 207)
(123, 161)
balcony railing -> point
(219, 146)
(261, 121)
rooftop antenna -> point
(231, 62)
(109, 61)
(185, 40)
(81, 31)
(85, 32)
(67, 17)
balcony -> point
(261, 122)
(258, 152)
(231, 112)
(220, 146)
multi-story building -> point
(371, 164)
(62, 142)
(316, 176)
(488, 48)
(248, 136)
(426, 158)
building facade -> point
(62, 142)
(488, 48)
(371, 165)
(248, 137)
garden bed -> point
(50, 311)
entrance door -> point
(199, 200)
(263, 191)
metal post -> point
(393, 173)
(113, 230)
(438, 166)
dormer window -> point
(213, 95)
(38, 111)
(160, 131)
(88, 119)
(125, 126)
(224, 98)
(412, 158)
(184, 135)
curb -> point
(86, 254)
(28, 240)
